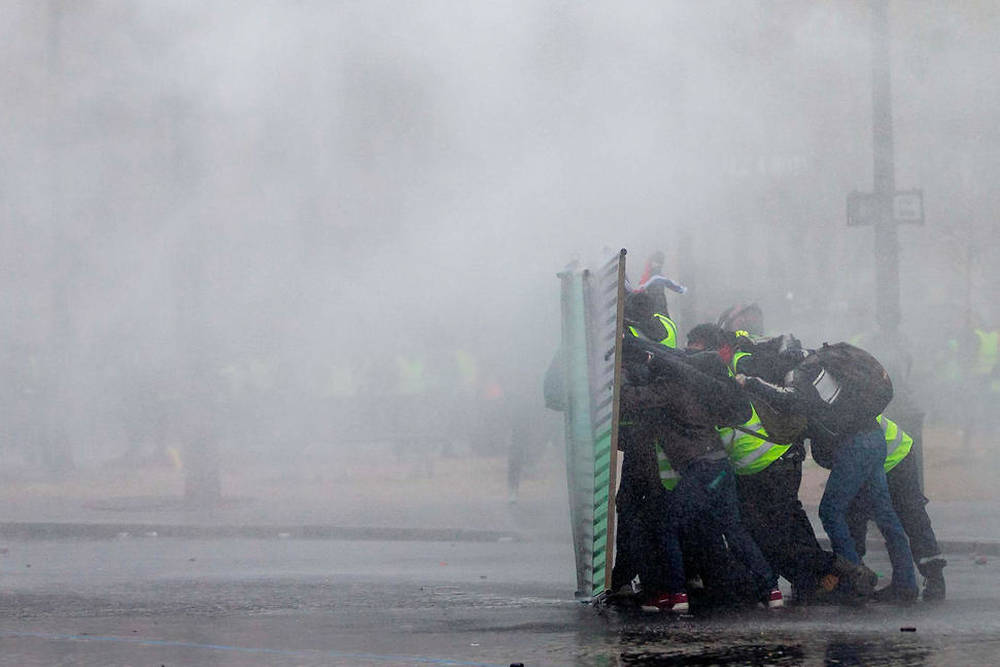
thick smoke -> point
(274, 201)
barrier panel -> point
(592, 321)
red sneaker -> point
(775, 600)
(676, 602)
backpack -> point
(782, 429)
(851, 386)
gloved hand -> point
(788, 343)
(791, 350)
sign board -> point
(907, 208)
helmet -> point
(744, 317)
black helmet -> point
(747, 317)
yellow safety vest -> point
(668, 475)
(468, 370)
(748, 453)
(670, 340)
(411, 376)
(898, 442)
(986, 355)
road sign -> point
(907, 208)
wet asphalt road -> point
(155, 601)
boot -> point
(858, 579)
(894, 594)
(821, 591)
(931, 569)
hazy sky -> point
(327, 180)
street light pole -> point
(887, 306)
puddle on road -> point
(778, 654)
(756, 639)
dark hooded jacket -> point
(679, 404)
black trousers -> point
(772, 512)
(640, 551)
(911, 506)
(644, 509)
(638, 541)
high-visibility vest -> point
(668, 475)
(670, 340)
(748, 453)
(986, 355)
(468, 369)
(897, 441)
(411, 376)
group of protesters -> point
(713, 437)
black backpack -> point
(851, 386)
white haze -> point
(347, 180)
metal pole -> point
(887, 307)
(886, 239)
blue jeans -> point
(706, 496)
(857, 472)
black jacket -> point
(765, 365)
(681, 404)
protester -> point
(678, 401)
(910, 503)
(840, 421)
(768, 476)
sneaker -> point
(676, 602)
(775, 600)
(893, 594)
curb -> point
(946, 546)
(107, 531)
